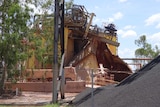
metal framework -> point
(58, 31)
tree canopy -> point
(145, 49)
(13, 33)
(17, 37)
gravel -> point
(141, 89)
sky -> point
(133, 18)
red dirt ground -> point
(35, 98)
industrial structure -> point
(86, 47)
(87, 54)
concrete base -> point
(70, 87)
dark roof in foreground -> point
(141, 89)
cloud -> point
(127, 33)
(129, 27)
(153, 20)
(126, 52)
(158, 26)
(155, 37)
(122, 1)
(110, 20)
(96, 7)
(99, 21)
(117, 16)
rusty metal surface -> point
(103, 56)
(91, 48)
(76, 16)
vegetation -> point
(69, 4)
(14, 22)
(145, 49)
(43, 27)
(17, 38)
(51, 105)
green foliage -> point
(145, 50)
(13, 30)
(49, 105)
(44, 50)
(14, 21)
(52, 105)
(43, 44)
(69, 4)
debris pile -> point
(141, 89)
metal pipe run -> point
(137, 58)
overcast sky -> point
(133, 18)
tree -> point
(69, 4)
(15, 18)
(43, 29)
(13, 33)
(145, 50)
(43, 25)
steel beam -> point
(58, 31)
(55, 52)
(137, 58)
